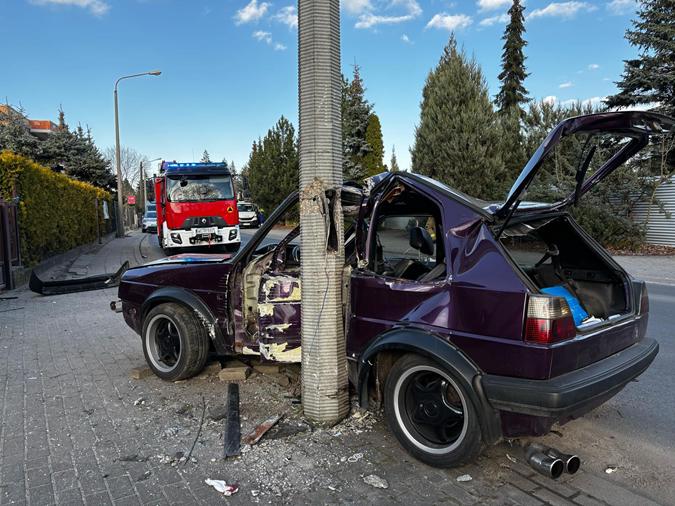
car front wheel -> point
(175, 342)
(431, 413)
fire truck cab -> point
(196, 207)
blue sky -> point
(229, 67)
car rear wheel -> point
(175, 342)
(431, 413)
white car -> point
(149, 223)
(248, 214)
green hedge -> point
(56, 213)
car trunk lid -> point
(635, 126)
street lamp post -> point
(118, 164)
(144, 190)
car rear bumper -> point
(574, 393)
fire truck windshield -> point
(198, 188)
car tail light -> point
(644, 299)
(549, 320)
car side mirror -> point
(421, 240)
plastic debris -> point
(256, 434)
(222, 487)
(375, 481)
(355, 458)
(512, 459)
(611, 469)
(464, 477)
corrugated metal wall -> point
(660, 228)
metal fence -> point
(9, 243)
(660, 227)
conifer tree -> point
(15, 135)
(512, 94)
(650, 78)
(355, 113)
(273, 167)
(393, 167)
(458, 137)
(205, 157)
(373, 162)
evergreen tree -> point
(512, 94)
(650, 79)
(205, 157)
(15, 135)
(76, 154)
(355, 114)
(393, 167)
(458, 138)
(273, 166)
(373, 161)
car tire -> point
(431, 412)
(168, 251)
(175, 342)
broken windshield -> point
(199, 188)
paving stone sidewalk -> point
(76, 429)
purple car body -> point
(470, 318)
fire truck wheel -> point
(175, 342)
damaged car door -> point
(278, 310)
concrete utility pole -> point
(118, 162)
(325, 392)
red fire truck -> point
(196, 207)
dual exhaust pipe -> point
(551, 462)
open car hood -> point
(637, 125)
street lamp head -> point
(155, 72)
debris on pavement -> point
(139, 373)
(232, 438)
(512, 459)
(222, 487)
(464, 477)
(611, 469)
(256, 434)
(375, 481)
(355, 458)
(76, 285)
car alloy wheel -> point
(430, 409)
(163, 343)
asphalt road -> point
(635, 431)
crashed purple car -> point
(470, 321)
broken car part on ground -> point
(97, 282)
(471, 321)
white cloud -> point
(619, 7)
(551, 99)
(504, 18)
(251, 12)
(356, 6)
(266, 37)
(288, 15)
(263, 36)
(449, 22)
(96, 7)
(411, 6)
(561, 10)
(593, 101)
(368, 19)
(489, 5)
(593, 66)
(568, 84)
(406, 39)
